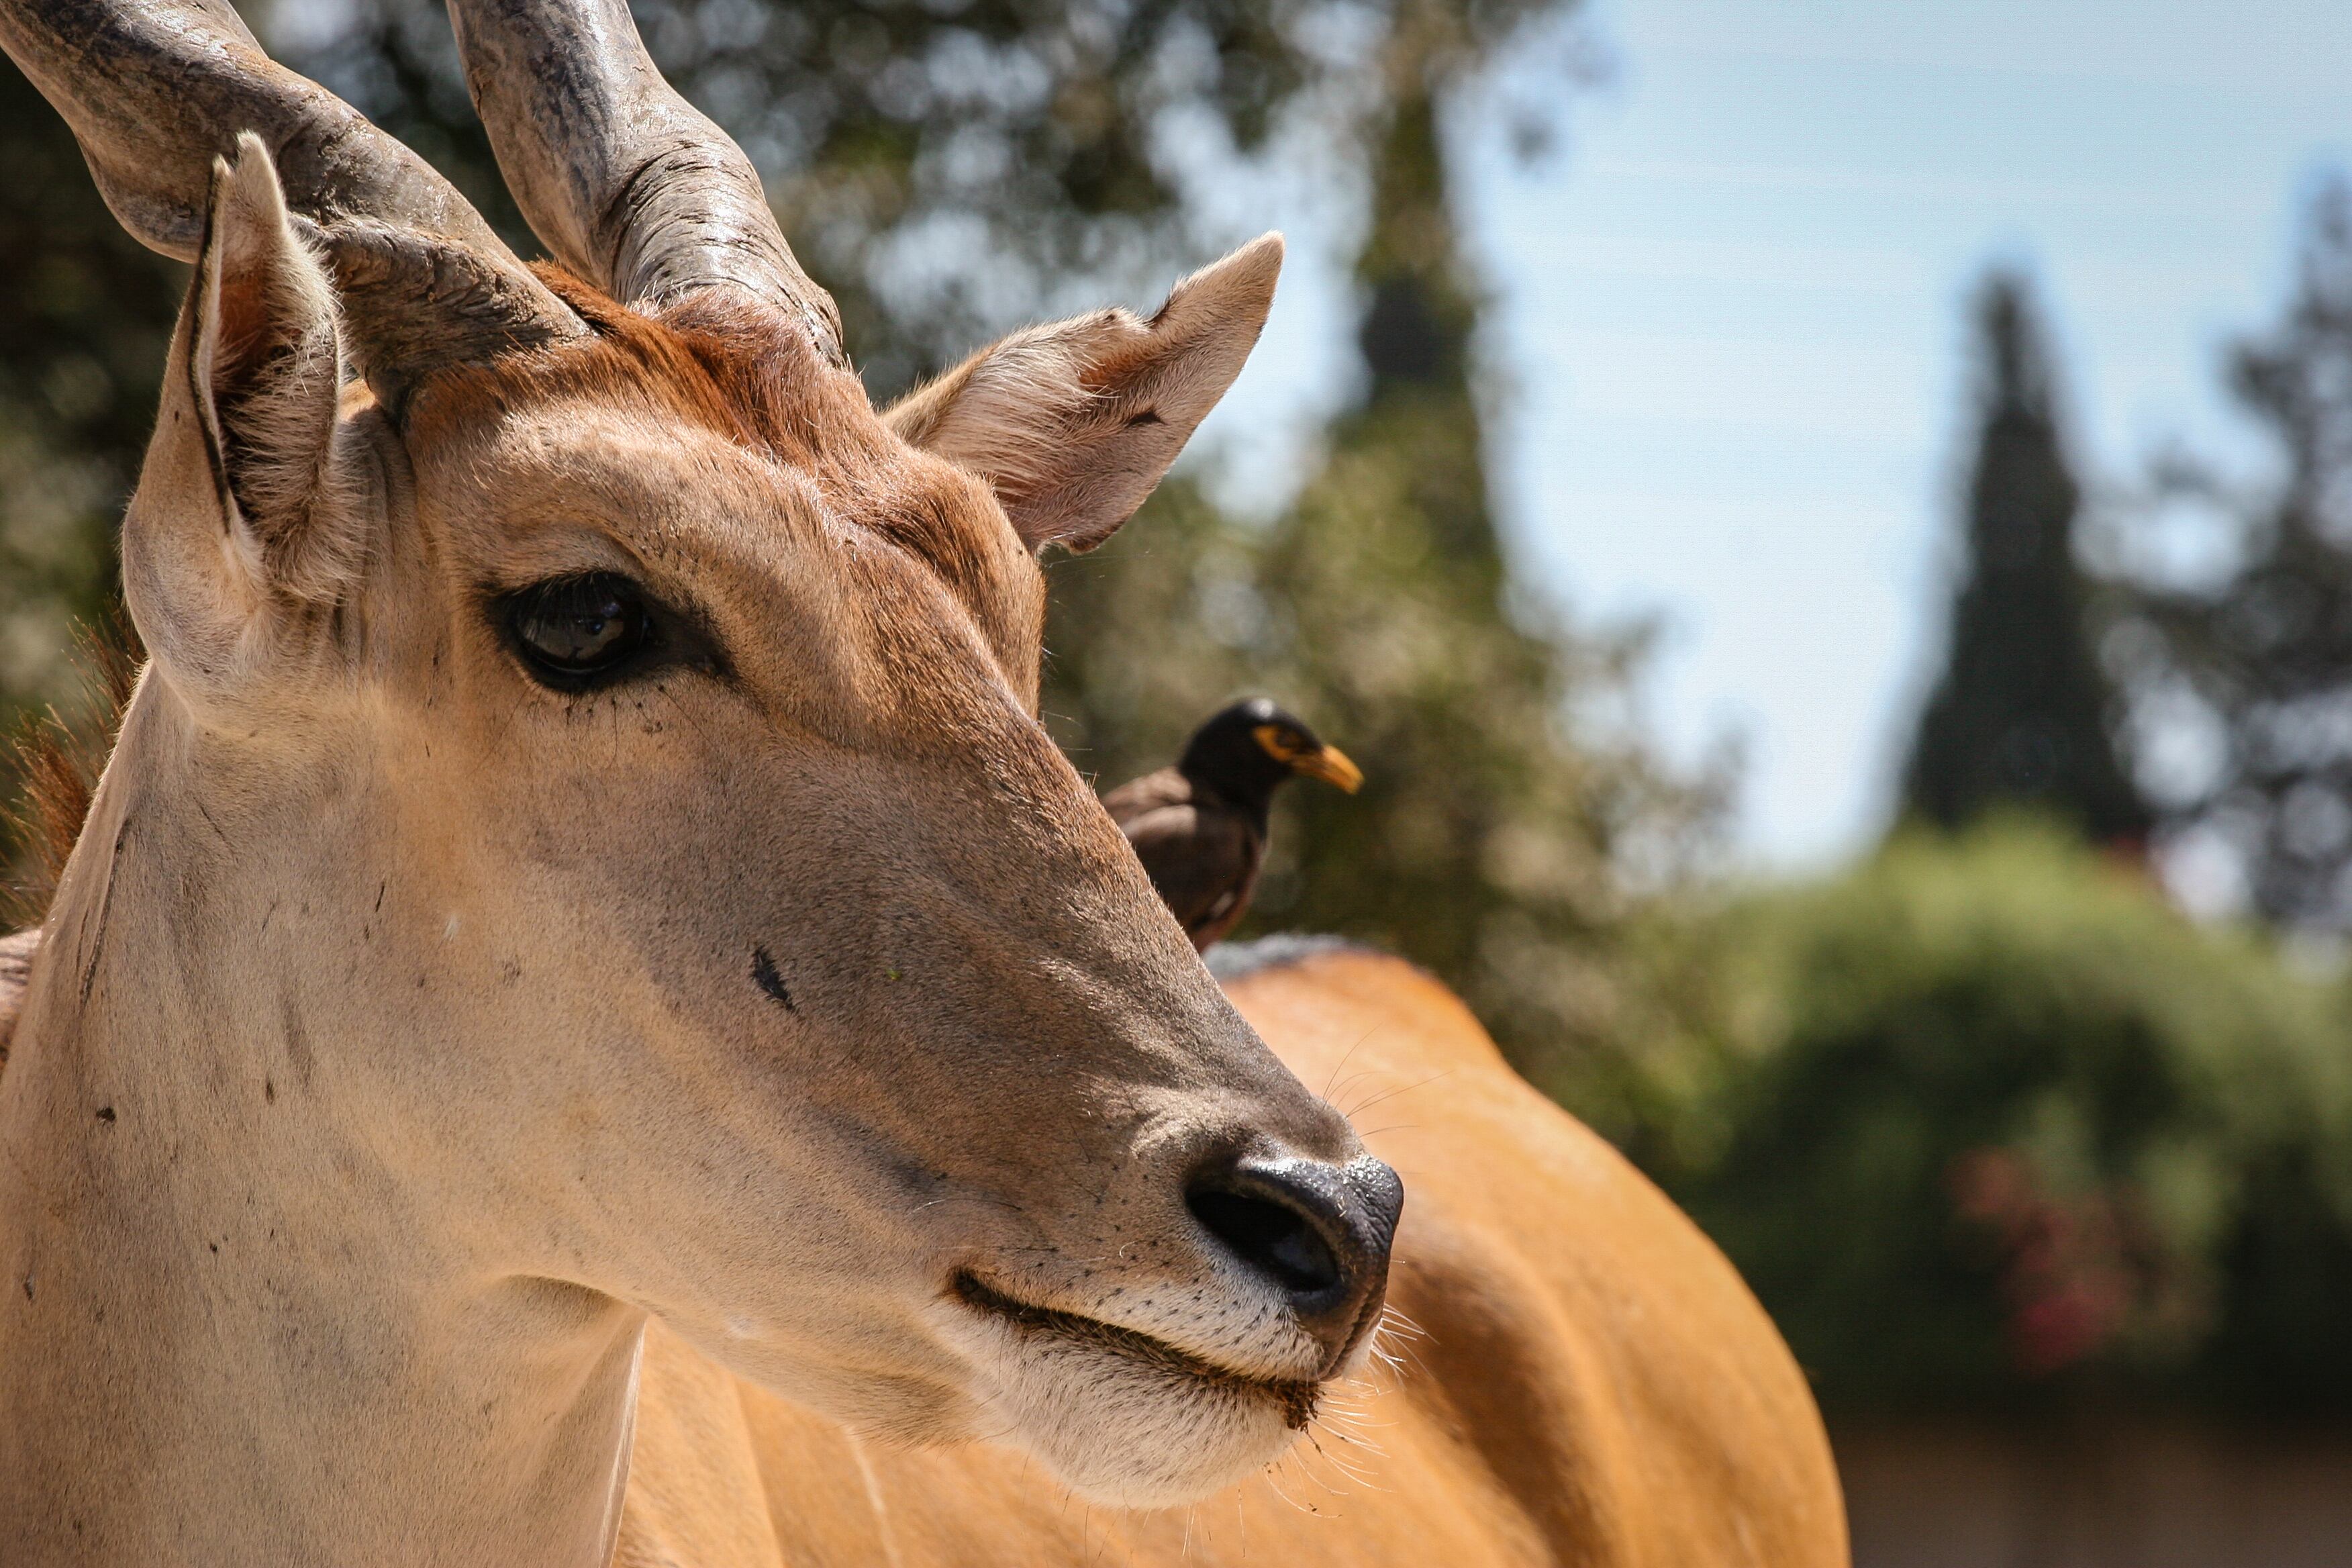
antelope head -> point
(585, 839)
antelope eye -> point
(575, 629)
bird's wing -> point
(1201, 860)
(1150, 793)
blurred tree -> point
(2021, 716)
(1499, 816)
(2264, 650)
(950, 167)
(88, 314)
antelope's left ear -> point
(1074, 424)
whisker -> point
(1270, 1472)
(1349, 1081)
(1355, 1476)
(1350, 1051)
(1391, 1094)
(1355, 1441)
(1308, 1470)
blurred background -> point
(1828, 527)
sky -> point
(1730, 315)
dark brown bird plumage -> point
(1200, 826)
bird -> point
(1200, 828)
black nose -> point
(1319, 1233)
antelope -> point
(587, 1021)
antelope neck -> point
(227, 1333)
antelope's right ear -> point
(241, 509)
(1073, 424)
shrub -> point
(1987, 1124)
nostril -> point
(1271, 1238)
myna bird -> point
(1200, 826)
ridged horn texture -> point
(156, 89)
(628, 184)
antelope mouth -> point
(1294, 1399)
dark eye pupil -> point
(582, 625)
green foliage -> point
(86, 318)
(1989, 1125)
(2020, 715)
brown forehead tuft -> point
(629, 358)
(748, 374)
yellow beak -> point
(1331, 765)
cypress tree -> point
(2020, 715)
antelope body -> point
(587, 1014)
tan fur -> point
(434, 1085)
(424, 997)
